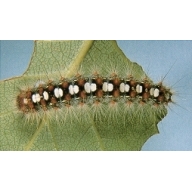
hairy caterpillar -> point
(89, 90)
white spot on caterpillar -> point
(93, 87)
(25, 101)
(104, 87)
(36, 98)
(110, 87)
(58, 92)
(87, 87)
(151, 91)
(127, 87)
(90, 87)
(139, 88)
(73, 89)
(122, 87)
(156, 92)
(107, 87)
(76, 89)
(45, 95)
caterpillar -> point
(89, 90)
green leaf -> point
(114, 126)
